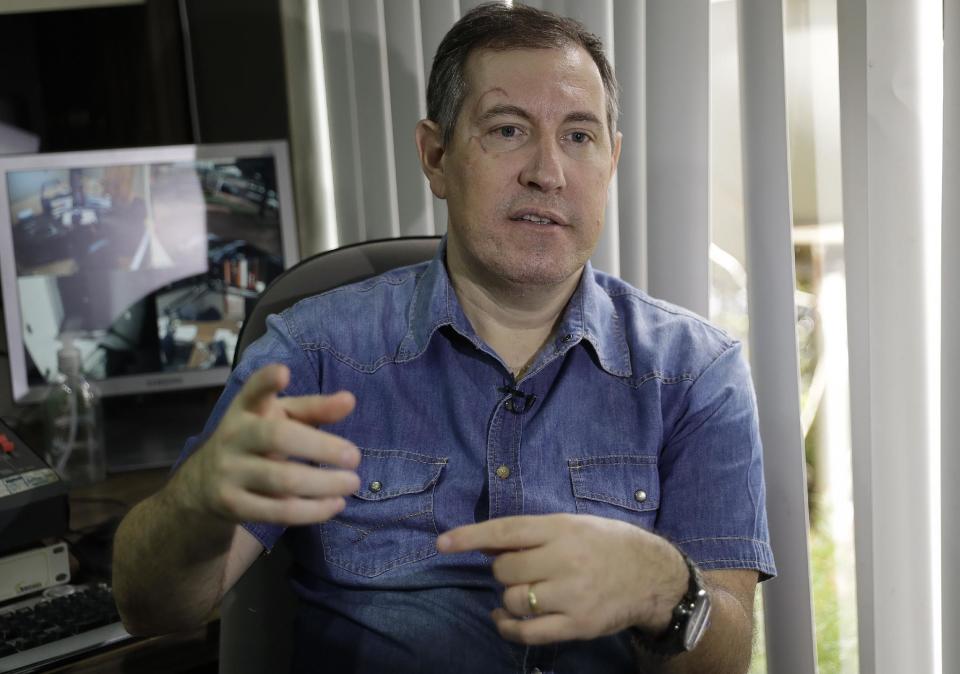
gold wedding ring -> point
(532, 600)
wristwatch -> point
(691, 617)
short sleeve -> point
(713, 501)
(277, 345)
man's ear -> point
(430, 148)
(617, 145)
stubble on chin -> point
(530, 268)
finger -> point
(319, 409)
(293, 439)
(292, 478)
(502, 533)
(550, 598)
(516, 601)
(526, 566)
(546, 629)
(247, 506)
(265, 384)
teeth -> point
(534, 218)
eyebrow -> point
(504, 109)
(583, 117)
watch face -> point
(698, 622)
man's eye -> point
(505, 138)
(579, 137)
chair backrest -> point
(331, 269)
(257, 614)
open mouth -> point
(537, 218)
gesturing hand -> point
(575, 576)
(242, 473)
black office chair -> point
(256, 617)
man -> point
(528, 448)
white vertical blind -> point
(788, 610)
(408, 95)
(467, 5)
(354, 42)
(436, 17)
(629, 18)
(851, 25)
(880, 97)
(950, 338)
(336, 40)
(677, 140)
(309, 125)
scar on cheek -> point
(476, 140)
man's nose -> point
(544, 168)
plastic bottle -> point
(74, 422)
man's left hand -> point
(589, 576)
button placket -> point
(503, 454)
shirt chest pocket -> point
(389, 520)
(625, 488)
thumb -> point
(263, 386)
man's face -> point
(526, 172)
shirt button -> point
(568, 338)
(375, 486)
(640, 496)
(503, 472)
(509, 405)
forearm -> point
(169, 564)
(176, 553)
(726, 646)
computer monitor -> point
(146, 259)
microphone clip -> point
(519, 402)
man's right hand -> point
(243, 472)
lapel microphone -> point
(520, 401)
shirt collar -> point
(590, 315)
(434, 305)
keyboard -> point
(58, 624)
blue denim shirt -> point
(634, 410)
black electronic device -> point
(33, 498)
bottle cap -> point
(68, 358)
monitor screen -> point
(146, 259)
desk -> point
(114, 496)
(193, 652)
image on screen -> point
(145, 267)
